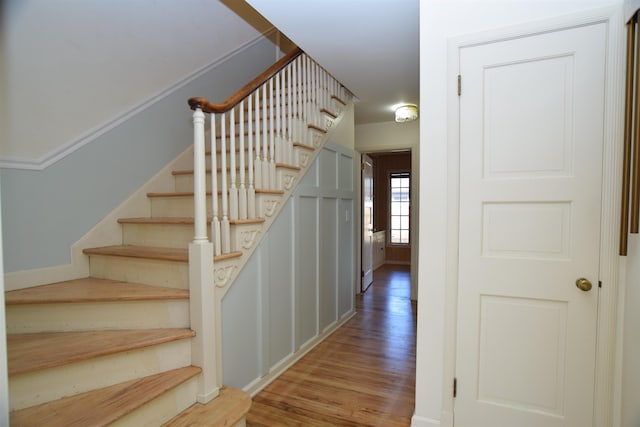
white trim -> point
(4, 375)
(606, 382)
(418, 421)
(11, 162)
(608, 338)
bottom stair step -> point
(227, 410)
(103, 406)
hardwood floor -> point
(362, 375)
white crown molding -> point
(11, 162)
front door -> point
(531, 132)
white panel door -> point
(531, 131)
(367, 222)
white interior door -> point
(531, 131)
(367, 222)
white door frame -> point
(607, 381)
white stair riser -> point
(68, 380)
(32, 318)
(139, 270)
(184, 182)
(175, 206)
(162, 235)
(163, 408)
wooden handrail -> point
(233, 100)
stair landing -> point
(227, 410)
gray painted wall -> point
(45, 212)
(300, 279)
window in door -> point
(399, 203)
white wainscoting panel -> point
(300, 281)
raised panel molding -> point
(300, 279)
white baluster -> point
(309, 93)
(277, 130)
(251, 191)
(312, 99)
(326, 90)
(265, 139)
(233, 190)
(242, 190)
(272, 139)
(257, 164)
(215, 219)
(199, 179)
(294, 101)
(302, 126)
(290, 106)
(284, 100)
(286, 119)
(316, 95)
(225, 228)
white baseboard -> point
(418, 421)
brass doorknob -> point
(583, 284)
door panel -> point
(531, 129)
(367, 222)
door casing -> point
(608, 378)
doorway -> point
(387, 234)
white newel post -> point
(201, 286)
(199, 179)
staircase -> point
(132, 344)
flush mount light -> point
(406, 113)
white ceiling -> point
(371, 46)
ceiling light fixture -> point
(406, 113)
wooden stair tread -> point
(152, 252)
(268, 191)
(174, 194)
(226, 410)
(182, 220)
(329, 113)
(157, 220)
(287, 166)
(247, 221)
(91, 289)
(317, 128)
(305, 146)
(190, 193)
(338, 99)
(102, 406)
(146, 252)
(32, 352)
(230, 255)
(208, 170)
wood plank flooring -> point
(362, 375)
